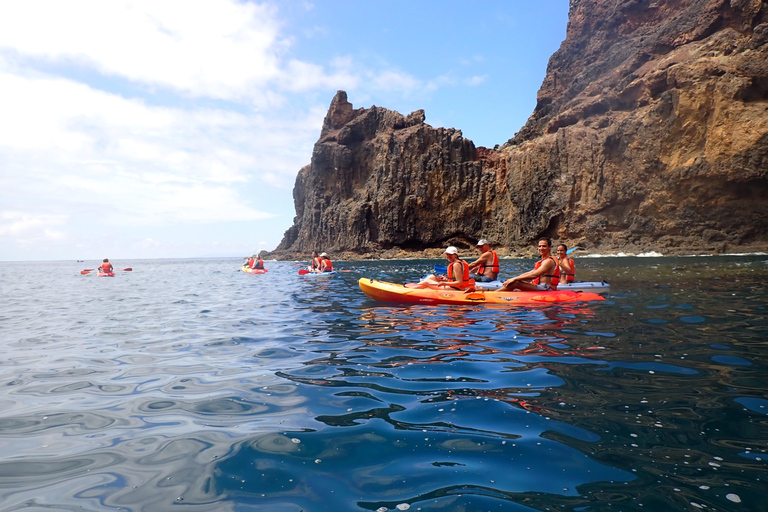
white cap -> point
(482, 241)
(451, 250)
(323, 254)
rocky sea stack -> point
(650, 134)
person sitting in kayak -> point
(544, 276)
(106, 267)
(457, 274)
(485, 268)
(315, 265)
(257, 262)
(326, 265)
(567, 266)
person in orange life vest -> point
(486, 267)
(106, 267)
(326, 265)
(314, 265)
(544, 276)
(249, 263)
(567, 266)
(457, 274)
(257, 262)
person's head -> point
(544, 245)
(483, 244)
(562, 250)
(106, 260)
(324, 255)
(451, 252)
(314, 254)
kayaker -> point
(106, 267)
(314, 264)
(544, 276)
(257, 262)
(567, 265)
(326, 265)
(457, 274)
(486, 267)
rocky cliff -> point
(650, 133)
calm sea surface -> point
(188, 385)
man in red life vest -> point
(544, 276)
(326, 265)
(485, 268)
(106, 267)
(567, 265)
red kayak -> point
(105, 274)
(246, 268)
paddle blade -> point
(303, 271)
(440, 269)
(569, 251)
(127, 269)
(87, 271)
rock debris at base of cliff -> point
(650, 133)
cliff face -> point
(650, 133)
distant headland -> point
(650, 133)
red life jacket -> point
(328, 265)
(106, 268)
(569, 278)
(466, 282)
(250, 263)
(494, 266)
(555, 276)
(259, 264)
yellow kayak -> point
(246, 268)
(391, 292)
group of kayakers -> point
(546, 274)
(321, 263)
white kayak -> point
(592, 286)
(318, 274)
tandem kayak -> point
(585, 286)
(105, 274)
(246, 268)
(318, 274)
(391, 292)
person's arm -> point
(565, 266)
(482, 260)
(459, 272)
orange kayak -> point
(391, 292)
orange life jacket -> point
(555, 276)
(250, 263)
(106, 268)
(328, 265)
(466, 282)
(259, 264)
(494, 266)
(569, 278)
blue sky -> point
(153, 129)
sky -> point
(175, 129)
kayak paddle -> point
(87, 271)
(569, 251)
(440, 269)
(126, 269)
(303, 271)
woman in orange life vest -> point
(457, 274)
(326, 265)
(106, 267)
(544, 276)
(485, 268)
(567, 266)
(257, 262)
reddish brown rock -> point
(650, 133)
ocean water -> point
(188, 385)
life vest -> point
(259, 264)
(494, 266)
(106, 268)
(569, 278)
(555, 276)
(250, 263)
(328, 265)
(466, 282)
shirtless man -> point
(544, 276)
(485, 268)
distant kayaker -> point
(485, 268)
(257, 262)
(457, 274)
(106, 267)
(567, 266)
(326, 265)
(544, 276)
(314, 264)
